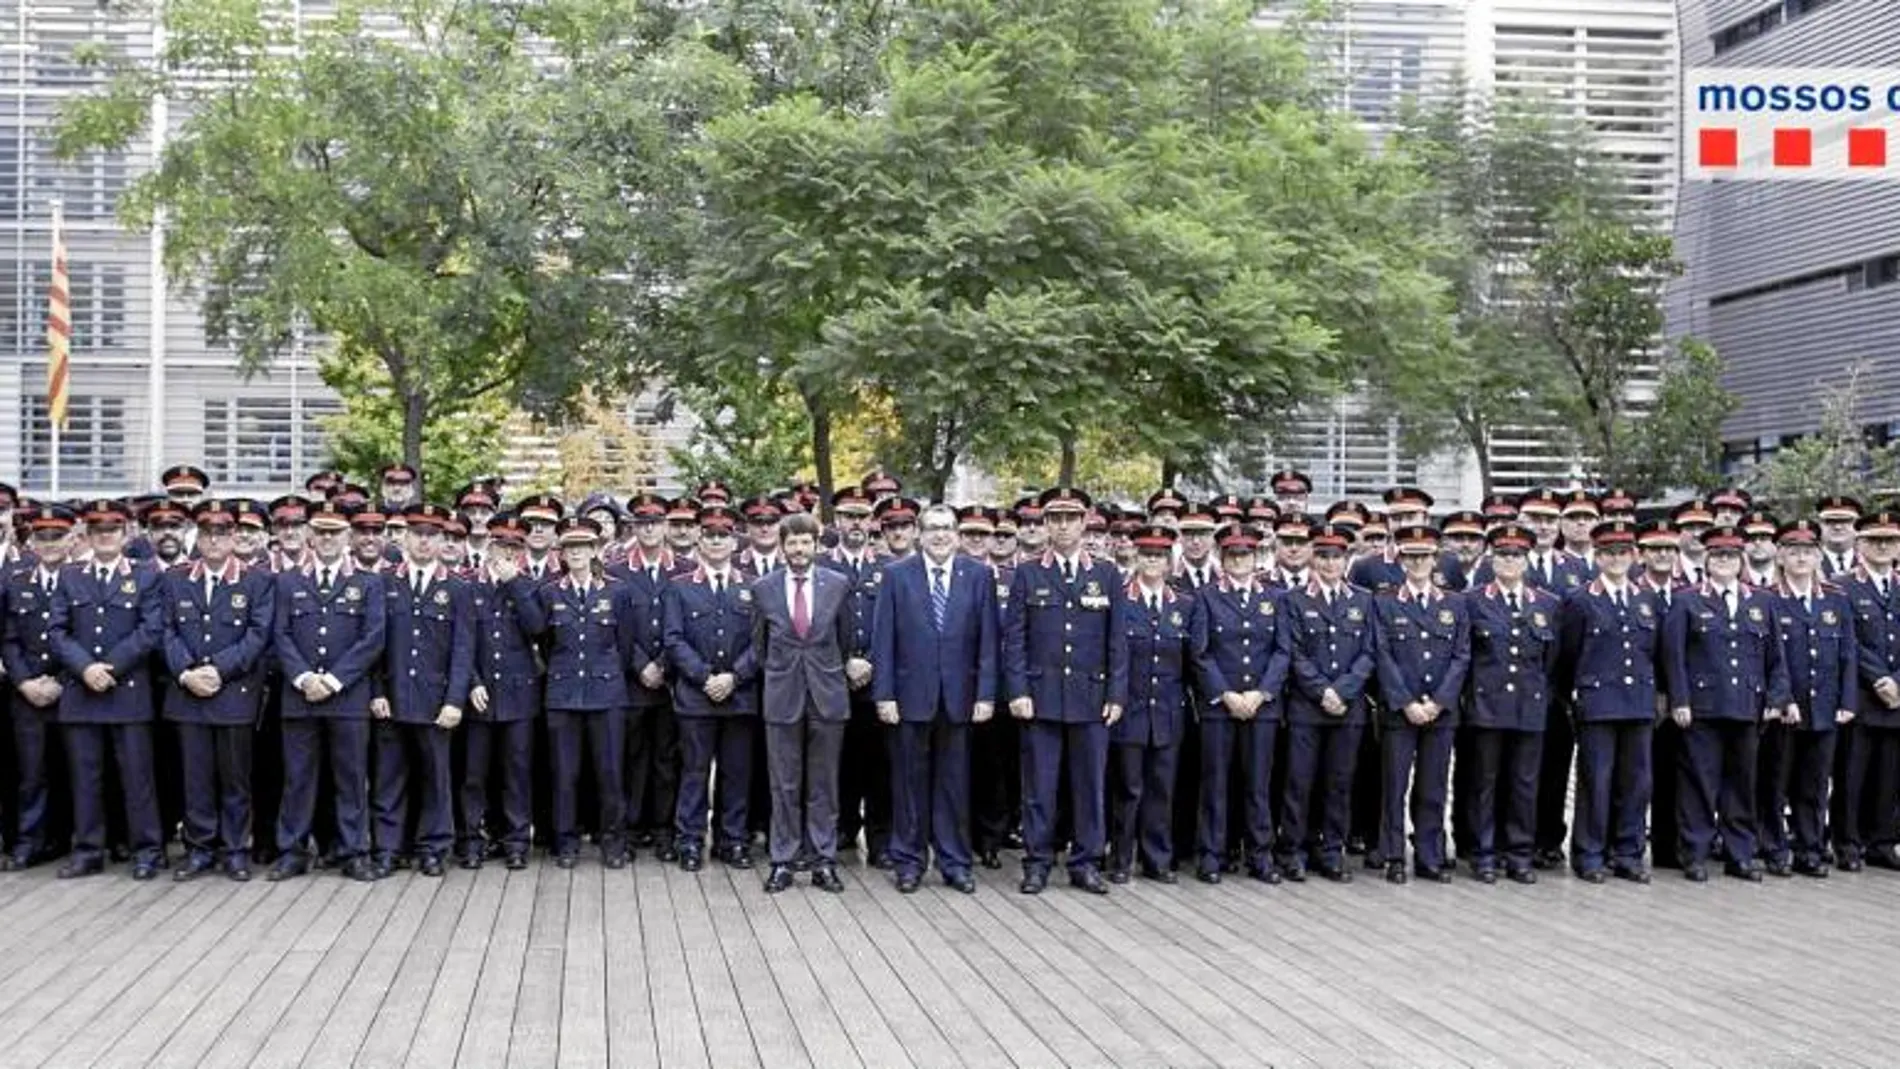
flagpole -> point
(53, 416)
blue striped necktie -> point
(939, 596)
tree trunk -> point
(820, 449)
(1066, 476)
(415, 409)
(1170, 471)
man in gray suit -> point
(799, 635)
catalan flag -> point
(59, 327)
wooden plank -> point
(774, 1034)
(351, 1009)
(99, 908)
(485, 1038)
(630, 1024)
(446, 1017)
(584, 981)
(393, 1028)
(677, 1034)
(536, 1038)
(722, 1020)
(861, 1015)
(289, 1041)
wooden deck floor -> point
(652, 966)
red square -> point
(1794, 147)
(1718, 147)
(1867, 147)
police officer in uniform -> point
(504, 702)
(1147, 741)
(1815, 621)
(428, 667)
(107, 620)
(1328, 634)
(328, 639)
(652, 757)
(1513, 656)
(218, 619)
(1241, 671)
(33, 668)
(864, 787)
(1065, 659)
(1424, 655)
(1867, 791)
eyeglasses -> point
(929, 527)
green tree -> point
(484, 198)
(1677, 444)
(1838, 458)
(456, 446)
(752, 434)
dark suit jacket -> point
(802, 671)
(920, 668)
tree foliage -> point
(1838, 458)
(457, 446)
(1677, 444)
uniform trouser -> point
(1838, 819)
(506, 749)
(995, 780)
(803, 756)
(652, 768)
(1321, 760)
(1406, 749)
(601, 731)
(1367, 808)
(1141, 814)
(1186, 814)
(865, 801)
(758, 788)
(1613, 786)
(1464, 775)
(1716, 788)
(930, 799)
(1871, 789)
(217, 769)
(1665, 838)
(310, 742)
(1503, 795)
(267, 770)
(1791, 792)
(1236, 750)
(1045, 744)
(38, 765)
(704, 740)
(1561, 741)
(131, 746)
(412, 760)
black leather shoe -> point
(1742, 871)
(1356, 845)
(737, 857)
(1266, 874)
(961, 882)
(566, 861)
(1486, 876)
(907, 883)
(146, 870)
(991, 859)
(1633, 873)
(1207, 875)
(777, 879)
(690, 861)
(883, 861)
(1335, 873)
(287, 867)
(1395, 872)
(1118, 876)
(80, 868)
(238, 872)
(1159, 875)
(194, 866)
(431, 865)
(666, 851)
(1432, 875)
(1696, 873)
(516, 862)
(1089, 880)
(825, 877)
(1812, 869)
(1294, 873)
(1375, 860)
(1523, 876)
(18, 861)
(1547, 858)
(1780, 869)
(383, 865)
(361, 869)
(1849, 863)
(614, 859)
(1034, 881)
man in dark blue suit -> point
(107, 620)
(218, 619)
(1147, 741)
(587, 625)
(1065, 659)
(708, 628)
(1723, 667)
(33, 668)
(933, 674)
(1329, 634)
(1609, 670)
(1424, 655)
(1513, 657)
(428, 667)
(504, 701)
(1241, 671)
(328, 639)
(1815, 620)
